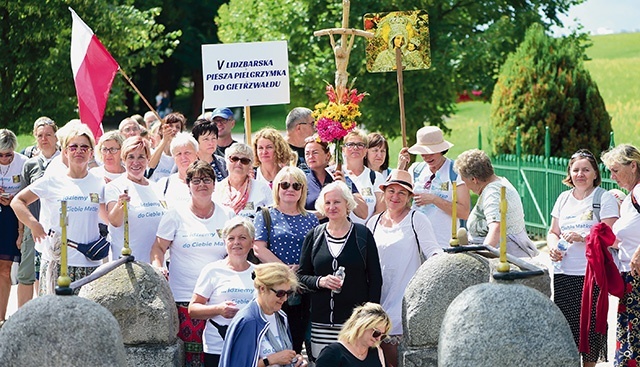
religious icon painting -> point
(406, 30)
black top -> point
(220, 150)
(302, 163)
(336, 355)
(363, 278)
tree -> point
(35, 38)
(545, 83)
(469, 40)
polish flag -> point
(93, 72)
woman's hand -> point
(338, 176)
(635, 263)
(123, 197)
(300, 362)
(424, 199)
(555, 254)
(572, 237)
(330, 282)
(282, 357)
(404, 158)
(228, 309)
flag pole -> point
(140, 94)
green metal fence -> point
(538, 179)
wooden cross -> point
(343, 50)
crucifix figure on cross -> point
(342, 51)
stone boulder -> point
(505, 325)
(140, 299)
(438, 281)
(61, 331)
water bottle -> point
(340, 274)
(563, 245)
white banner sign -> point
(245, 74)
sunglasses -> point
(83, 148)
(198, 181)
(286, 185)
(582, 155)
(378, 334)
(244, 161)
(281, 293)
(6, 155)
(109, 150)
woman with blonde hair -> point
(259, 333)
(271, 153)
(624, 163)
(280, 231)
(359, 340)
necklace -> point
(193, 210)
(3, 174)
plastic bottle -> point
(340, 274)
(563, 245)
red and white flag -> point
(93, 72)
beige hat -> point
(399, 177)
(429, 141)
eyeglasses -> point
(357, 146)
(244, 161)
(221, 121)
(6, 155)
(83, 148)
(281, 293)
(131, 129)
(286, 185)
(427, 185)
(378, 334)
(198, 181)
(109, 150)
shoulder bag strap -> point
(597, 199)
(266, 216)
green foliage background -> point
(469, 42)
(35, 68)
(545, 83)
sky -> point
(603, 17)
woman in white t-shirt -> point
(624, 163)
(193, 234)
(367, 181)
(433, 179)
(224, 287)
(174, 188)
(145, 205)
(108, 153)
(399, 230)
(571, 220)
(84, 194)
(243, 194)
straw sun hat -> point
(399, 177)
(429, 140)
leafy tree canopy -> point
(35, 40)
(469, 41)
(545, 83)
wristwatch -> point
(266, 361)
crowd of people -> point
(205, 209)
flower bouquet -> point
(337, 117)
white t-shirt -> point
(266, 348)
(399, 259)
(368, 191)
(164, 168)
(440, 186)
(11, 179)
(627, 230)
(175, 192)
(83, 196)
(101, 172)
(259, 195)
(218, 283)
(145, 211)
(577, 216)
(195, 242)
(56, 167)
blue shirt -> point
(315, 187)
(287, 233)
